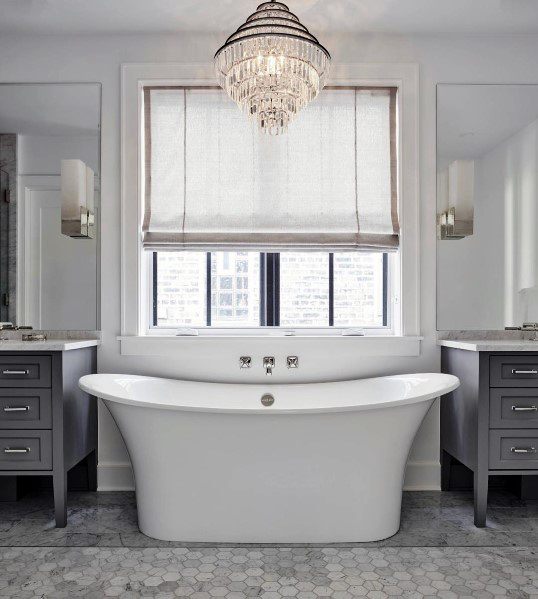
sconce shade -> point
(461, 188)
(77, 199)
(442, 203)
(455, 200)
(442, 190)
(90, 189)
(73, 188)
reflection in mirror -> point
(48, 280)
(487, 168)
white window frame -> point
(391, 329)
(136, 289)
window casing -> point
(136, 293)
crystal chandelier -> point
(272, 66)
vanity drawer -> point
(513, 371)
(513, 408)
(25, 408)
(25, 450)
(513, 449)
(25, 371)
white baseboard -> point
(118, 476)
(422, 476)
(115, 476)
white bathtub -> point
(324, 463)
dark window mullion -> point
(272, 295)
(154, 272)
(263, 291)
(276, 290)
(208, 289)
(331, 289)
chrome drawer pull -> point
(8, 372)
(16, 450)
(16, 408)
(514, 371)
(524, 409)
(523, 449)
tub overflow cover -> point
(268, 399)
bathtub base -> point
(226, 478)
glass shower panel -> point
(4, 246)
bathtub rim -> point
(85, 383)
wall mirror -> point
(48, 280)
(487, 206)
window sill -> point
(170, 345)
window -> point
(403, 273)
(251, 289)
(325, 194)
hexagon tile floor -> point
(437, 553)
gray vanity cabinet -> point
(47, 424)
(490, 423)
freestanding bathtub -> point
(323, 463)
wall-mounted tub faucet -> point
(269, 364)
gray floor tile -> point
(101, 553)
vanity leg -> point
(480, 498)
(446, 462)
(59, 483)
(91, 464)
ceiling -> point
(360, 16)
(50, 109)
(473, 119)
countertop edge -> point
(48, 345)
(510, 345)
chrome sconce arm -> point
(83, 227)
(78, 199)
(450, 227)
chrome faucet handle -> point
(269, 364)
(245, 362)
(292, 361)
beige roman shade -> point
(213, 182)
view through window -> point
(249, 289)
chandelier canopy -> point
(272, 66)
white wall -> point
(518, 174)
(443, 58)
(471, 270)
(41, 154)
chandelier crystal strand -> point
(272, 67)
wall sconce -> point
(455, 197)
(77, 197)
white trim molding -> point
(134, 307)
(422, 476)
(115, 476)
(168, 345)
(28, 184)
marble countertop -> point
(8, 345)
(490, 344)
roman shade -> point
(213, 182)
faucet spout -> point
(269, 364)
